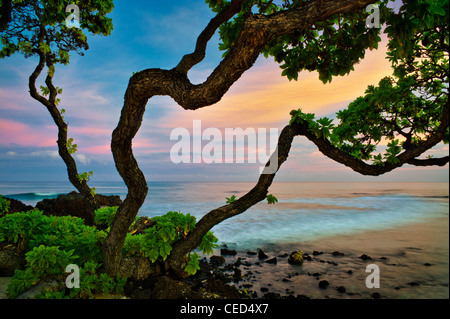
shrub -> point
(104, 217)
(156, 243)
(33, 229)
(4, 205)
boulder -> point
(272, 261)
(228, 252)
(365, 257)
(341, 289)
(138, 269)
(46, 285)
(217, 261)
(74, 204)
(296, 258)
(337, 254)
(10, 261)
(16, 206)
(262, 255)
(323, 284)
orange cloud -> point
(263, 98)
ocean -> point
(305, 212)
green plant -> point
(45, 260)
(4, 205)
(230, 200)
(271, 200)
(92, 282)
(21, 281)
(105, 216)
(156, 244)
(193, 265)
(33, 229)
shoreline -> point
(413, 261)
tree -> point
(409, 110)
(39, 28)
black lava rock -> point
(337, 254)
(323, 284)
(262, 255)
(228, 252)
(365, 257)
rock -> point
(341, 289)
(272, 261)
(376, 295)
(272, 295)
(284, 255)
(219, 289)
(264, 289)
(338, 254)
(252, 253)
(317, 253)
(427, 264)
(166, 288)
(48, 284)
(138, 269)
(323, 284)
(350, 272)
(10, 261)
(237, 276)
(365, 257)
(296, 258)
(228, 252)
(4, 282)
(413, 284)
(16, 206)
(262, 255)
(74, 204)
(217, 261)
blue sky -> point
(156, 34)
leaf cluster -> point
(50, 244)
(4, 205)
(405, 109)
(32, 19)
(156, 244)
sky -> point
(156, 34)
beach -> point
(413, 261)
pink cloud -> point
(12, 132)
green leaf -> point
(231, 200)
(271, 200)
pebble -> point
(323, 284)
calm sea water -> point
(305, 212)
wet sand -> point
(413, 262)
